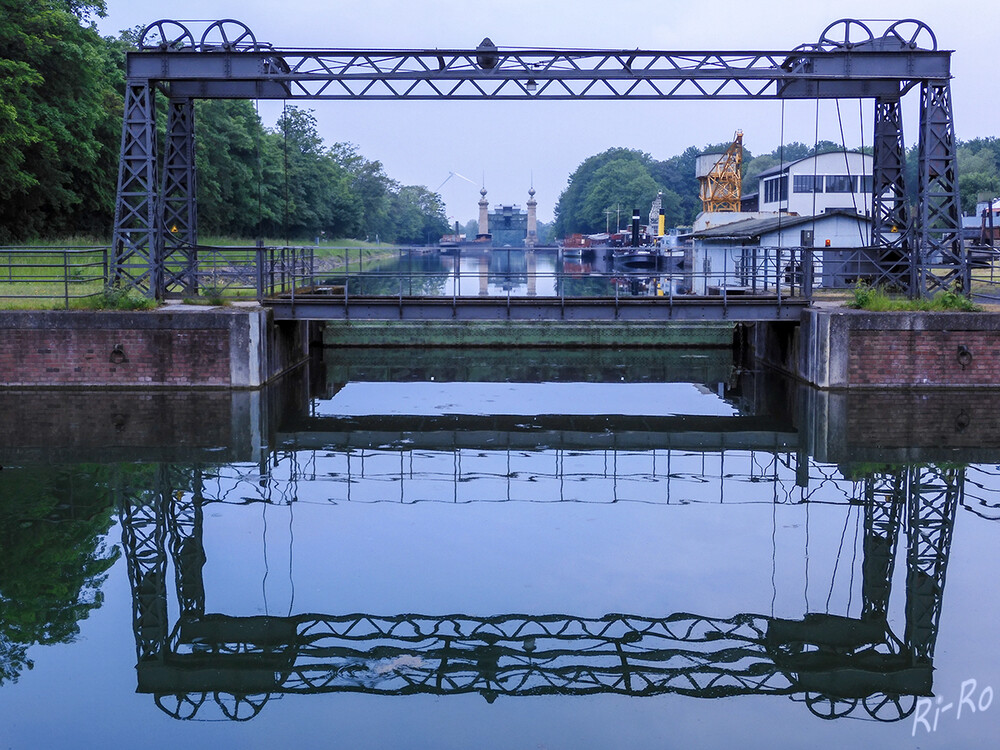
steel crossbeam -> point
(507, 74)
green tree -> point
(231, 194)
(60, 114)
(978, 173)
(420, 216)
(573, 213)
(620, 182)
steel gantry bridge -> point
(155, 233)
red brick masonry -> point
(115, 357)
(840, 348)
(208, 348)
(926, 357)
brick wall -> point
(115, 356)
(215, 348)
(924, 357)
(841, 348)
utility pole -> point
(607, 220)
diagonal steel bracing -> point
(890, 218)
(135, 262)
(179, 196)
(942, 263)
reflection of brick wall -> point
(115, 420)
(923, 357)
(922, 420)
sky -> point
(510, 146)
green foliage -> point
(978, 171)
(617, 180)
(60, 115)
(876, 299)
(286, 182)
(119, 298)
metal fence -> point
(251, 272)
(513, 272)
(59, 275)
(40, 275)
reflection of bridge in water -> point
(838, 665)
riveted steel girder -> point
(942, 262)
(179, 199)
(890, 219)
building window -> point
(840, 183)
(776, 189)
(807, 183)
(867, 183)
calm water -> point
(513, 272)
(492, 549)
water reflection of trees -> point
(53, 557)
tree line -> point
(61, 103)
(606, 187)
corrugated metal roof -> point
(749, 229)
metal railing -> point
(512, 272)
(36, 275)
(251, 272)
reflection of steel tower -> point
(837, 663)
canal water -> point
(535, 549)
(514, 272)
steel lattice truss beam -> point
(848, 61)
(517, 74)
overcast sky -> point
(508, 144)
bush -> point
(876, 299)
(119, 298)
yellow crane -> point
(721, 187)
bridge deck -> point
(314, 306)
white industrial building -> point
(725, 255)
(834, 181)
